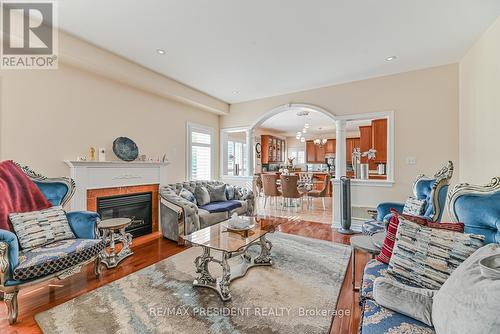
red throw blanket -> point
(18, 193)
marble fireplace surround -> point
(96, 179)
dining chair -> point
(321, 193)
(270, 186)
(289, 188)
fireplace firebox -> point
(138, 207)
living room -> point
(145, 144)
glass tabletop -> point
(218, 237)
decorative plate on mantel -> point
(125, 149)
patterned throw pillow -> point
(414, 206)
(457, 227)
(38, 228)
(187, 195)
(202, 195)
(392, 229)
(425, 257)
(230, 192)
(217, 192)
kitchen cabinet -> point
(350, 145)
(310, 152)
(331, 146)
(379, 139)
(314, 153)
(366, 144)
(273, 149)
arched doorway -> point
(340, 161)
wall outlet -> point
(411, 161)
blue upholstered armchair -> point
(20, 268)
(478, 207)
(432, 189)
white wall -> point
(47, 116)
(480, 109)
(425, 105)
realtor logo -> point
(29, 39)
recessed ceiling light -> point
(391, 58)
(302, 139)
(161, 51)
(236, 92)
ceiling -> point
(288, 123)
(239, 50)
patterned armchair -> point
(60, 259)
(432, 189)
(478, 207)
(181, 217)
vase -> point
(364, 171)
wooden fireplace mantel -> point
(103, 179)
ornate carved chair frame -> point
(440, 180)
(9, 290)
(478, 206)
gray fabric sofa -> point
(179, 216)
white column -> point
(340, 154)
(250, 152)
(340, 170)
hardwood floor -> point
(153, 248)
(314, 214)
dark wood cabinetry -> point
(350, 145)
(379, 139)
(314, 153)
(331, 146)
(273, 149)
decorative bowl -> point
(125, 149)
(239, 224)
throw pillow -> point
(386, 251)
(413, 302)
(458, 227)
(217, 192)
(38, 228)
(230, 192)
(425, 257)
(187, 195)
(414, 206)
(202, 195)
(468, 302)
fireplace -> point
(137, 206)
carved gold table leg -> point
(221, 285)
(10, 299)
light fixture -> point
(236, 92)
(320, 142)
(304, 130)
(161, 51)
(306, 126)
(391, 58)
(302, 139)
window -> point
(298, 153)
(200, 152)
(234, 152)
(236, 162)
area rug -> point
(298, 294)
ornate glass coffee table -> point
(231, 245)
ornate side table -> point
(112, 231)
(366, 243)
